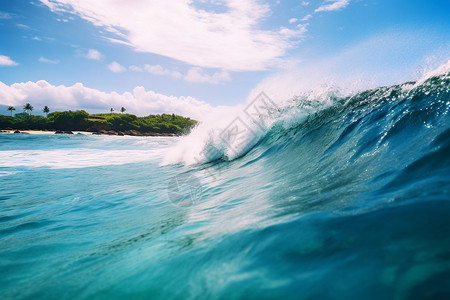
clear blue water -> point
(351, 202)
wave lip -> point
(230, 136)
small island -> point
(66, 122)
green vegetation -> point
(23, 121)
(80, 120)
(164, 123)
(69, 120)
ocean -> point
(342, 197)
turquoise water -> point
(351, 201)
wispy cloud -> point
(198, 75)
(94, 54)
(48, 61)
(116, 67)
(331, 5)
(23, 26)
(158, 70)
(298, 32)
(43, 38)
(328, 5)
(194, 74)
(5, 15)
(135, 68)
(7, 61)
(293, 20)
(230, 40)
(306, 18)
(138, 101)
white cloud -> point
(139, 101)
(304, 3)
(306, 18)
(231, 39)
(48, 61)
(118, 41)
(293, 20)
(194, 74)
(197, 75)
(116, 67)
(158, 70)
(43, 38)
(294, 33)
(135, 68)
(331, 5)
(94, 54)
(5, 15)
(26, 27)
(6, 61)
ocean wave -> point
(234, 133)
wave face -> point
(335, 198)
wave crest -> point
(232, 132)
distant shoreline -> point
(69, 122)
(70, 132)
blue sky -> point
(189, 56)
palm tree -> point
(111, 109)
(28, 108)
(11, 108)
(123, 109)
(46, 110)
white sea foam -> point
(441, 70)
(75, 158)
(231, 132)
(6, 173)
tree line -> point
(28, 108)
(80, 120)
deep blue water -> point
(350, 202)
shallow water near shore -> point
(349, 202)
